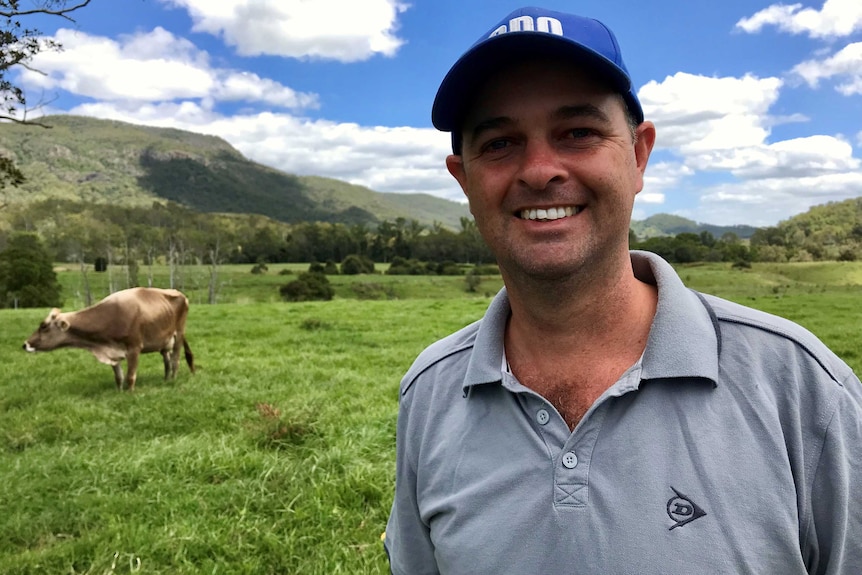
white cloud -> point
(798, 157)
(719, 128)
(846, 64)
(154, 66)
(331, 29)
(837, 18)
(695, 113)
(767, 201)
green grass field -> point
(277, 457)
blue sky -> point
(757, 105)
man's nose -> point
(541, 165)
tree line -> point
(174, 235)
(136, 238)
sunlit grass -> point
(278, 455)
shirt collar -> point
(683, 340)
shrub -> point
(403, 267)
(331, 268)
(27, 277)
(355, 264)
(259, 269)
(371, 290)
(307, 287)
(847, 255)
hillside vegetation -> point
(97, 161)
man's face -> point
(551, 170)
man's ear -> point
(644, 142)
(455, 165)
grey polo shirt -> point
(732, 446)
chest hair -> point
(571, 395)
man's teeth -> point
(548, 214)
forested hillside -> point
(107, 162)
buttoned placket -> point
(570, 451)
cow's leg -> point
(118, 375)
(175, 354)
(166, 357)
(132, 368)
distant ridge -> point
(670, 225)
(106, 161)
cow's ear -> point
(64, 325)
(54, 313)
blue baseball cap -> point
(531, 33)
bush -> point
(355, 264)
(847, 255)
(259, 269)
(372, 291)
(307, 287)
(331, 269)
(27, 277)
(403, 267)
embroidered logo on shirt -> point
(682, 510)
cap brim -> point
(460, 85)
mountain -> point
(670, 225)
(105, 161)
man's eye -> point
(580, 133)
(497, 144)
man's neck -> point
(612, 314)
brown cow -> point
(122, 326)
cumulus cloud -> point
(837, 18)
(694, 112)
(722, 126)
(845, 64)
(330, 29)
(150, 67)
(770, 200)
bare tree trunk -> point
(88, 295)
(150, 257)
(110, 253)
(213, 272)
(172, 255)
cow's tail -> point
(190, 357)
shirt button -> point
(542, 416)
(570, 460)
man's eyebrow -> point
(489, 124)
(581, 111)
(562, 113)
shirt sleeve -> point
(408, 539)
(835, 534)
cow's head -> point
(51, 333)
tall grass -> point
(277, 457)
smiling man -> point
(602, 418)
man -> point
(602, 418)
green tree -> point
(18, 46)
(27, 277)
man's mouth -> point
(548, 214)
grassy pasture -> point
(277, 456)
